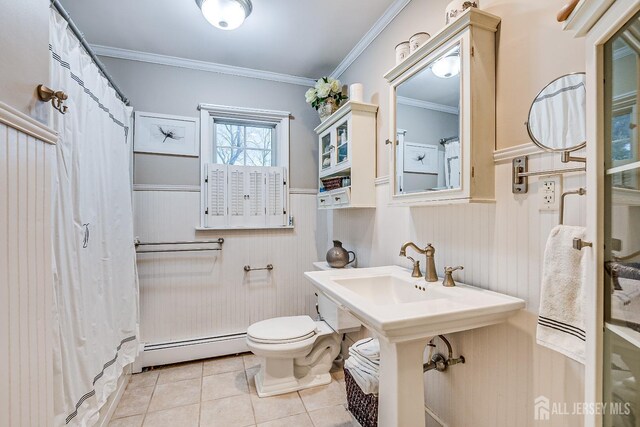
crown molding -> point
(377, 28)
(411, 102)
(192, 64)
(621, 52)
(212, 67)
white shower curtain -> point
(96, 290)
(452, 163)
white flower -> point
(335, 85)
(323, 90)
(311, 95)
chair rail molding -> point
(25, 124)
(504, 155)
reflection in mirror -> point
(557, 118)
(428, 125)
(621, 223)
(624, 115)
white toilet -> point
(297, 352)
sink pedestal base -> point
(401, 395)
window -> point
(621, 137)
(244, 156)
(247, 144)
(624, 149)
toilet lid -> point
(282, 329)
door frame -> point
(598, 30)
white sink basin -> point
(389, 290)
(405, 313)
(386, 299)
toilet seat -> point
(282, 330)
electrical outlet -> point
(550, 188)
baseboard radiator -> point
(158, 354)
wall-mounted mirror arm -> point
(566, 157)
(521, 174)
(557, 123)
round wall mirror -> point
(557, 117)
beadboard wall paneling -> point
(26, 390)
(202, 294)
(501, 247)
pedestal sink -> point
(405, 313)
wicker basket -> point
(332, 183)
(364, 407)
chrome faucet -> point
(429, 251)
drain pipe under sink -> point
(438, 361)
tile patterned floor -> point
(221, 392)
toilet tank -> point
(338, 318)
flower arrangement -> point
(325, 96)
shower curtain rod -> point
(88, 49)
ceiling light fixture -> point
(225, 14)
(447, 67)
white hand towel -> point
(368, 347)
(561, 314)
(367, 382)
(364, 364)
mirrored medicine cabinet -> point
(442, 129)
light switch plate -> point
(550, 189)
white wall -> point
(532, 50)
(196, 295)
(425, 126)
(500, 245)
(26, 277)
(203, 294)
(173, 90)
(24, 43)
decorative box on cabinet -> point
(347, 150)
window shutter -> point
(275, 197)
(216, 211)
(237, 195)
(256, 193)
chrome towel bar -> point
(219, 241)
(248, 268)
(578, 244)
(579, 192)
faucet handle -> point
(416, 268)
(448, 276)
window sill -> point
(283, 227)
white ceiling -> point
(426, 86)
(300, 38)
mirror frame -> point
(534, 139)
(420, 64)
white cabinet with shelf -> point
(347, 142)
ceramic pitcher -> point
(338, 257)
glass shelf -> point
(343, 152)
(326, 160)
(628, 334)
